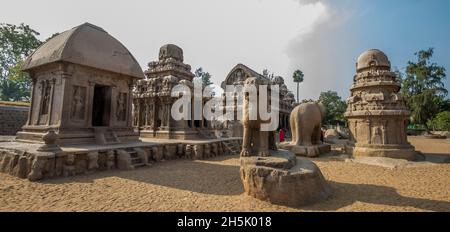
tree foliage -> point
(203, 76)
(298, 77)
(440, 122)
(335, 108)
(423, 87)
(16, 43)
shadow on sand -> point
(207, 177)
(196, 176)
(345, 194)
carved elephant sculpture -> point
(255, 141)
(305, 123)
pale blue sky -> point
(321, 37)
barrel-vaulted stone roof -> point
(86, 45)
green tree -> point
(204, 77)
(423, 87)
(335, 107)
(440, 122)
(298, 78)
(16, 43)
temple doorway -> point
(101, 106)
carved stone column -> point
(30, 112)
(129, 103)
(90, 99)
(147, 112)
(52, 94)
(113, 109)
(151, 114)
(41, 101)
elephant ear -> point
(322, 109)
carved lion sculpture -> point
(255, 141)
(305, 123)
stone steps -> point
(110, 137)
(106, 136)
(136, 161)
(232, 146)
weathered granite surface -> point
(377, 114)
(283, 179)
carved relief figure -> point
(45, 96)
(37, 167)
(214, 149)
(157, 153)
(376, 137)
(110, 160)
(121, 109)
(69, 165)
(136, 113)
(92, 161)
(207, 151)
(78, 102)
(150, 114)
(198, 151)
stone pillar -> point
(64, 119)
(39, 108)
(147, 107)
(192, 114)
(30, 112)
(152, 115)
(90, 99)
(129, 104)
(52, 94)
(113, 106)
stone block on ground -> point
(283, 179)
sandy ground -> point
(214, 185)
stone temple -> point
(153, 99)
(237, 77)
(82, 81)
(377, 113)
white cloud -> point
(320, 52)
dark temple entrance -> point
(101, 106)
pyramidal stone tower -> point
(377, 113)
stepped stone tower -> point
(153, 100)
(377, 113)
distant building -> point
(237, 76)
(153, 100)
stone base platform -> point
(283, 179)
(165, 134)
(25, 161)
(406, 152)
(307, 151)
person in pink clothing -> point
(281, 135)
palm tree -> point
(298, 78)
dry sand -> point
(214, 185)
